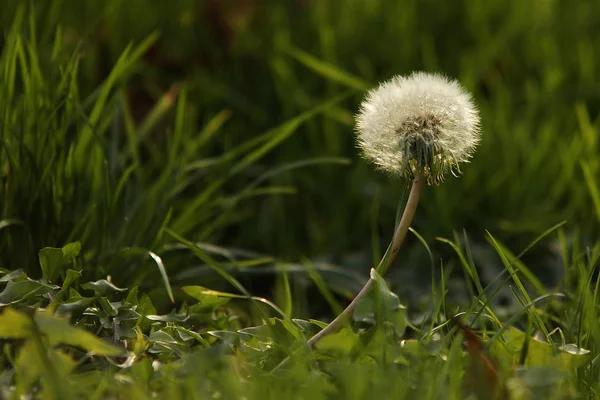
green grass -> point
(181, 202)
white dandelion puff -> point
(421, 124)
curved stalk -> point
(384, 264)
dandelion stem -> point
(384, 264)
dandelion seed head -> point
(421, 124)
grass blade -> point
(327, 70)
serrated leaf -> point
(52, 263)
(15, 325)
(389, 307)
(539, 353)
(308, 327)
(262, 332)
(29, 366)
(16, 275)
(390, 301)
(208, 299)
(161, 336)
(63, 362)
(320, 324)
(228, 337)
(74, 306)
(145, 307)
(107, 307)
(142, 370)
(127, 330)
(365, 310)
(119, 306)
(132, 296)
(71, 250)
(72, 277)
(191, 334)
(141, 344)
(292, 328)
(15, 292)
(102, 287)
(162, 340)
(59, 331)
(170, 317)
(343, 341)
(128, 315)
(382, 306)
(201, 293)
(276, 330)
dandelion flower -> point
(421, 127)
(423, 124)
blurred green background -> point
(249, 66)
